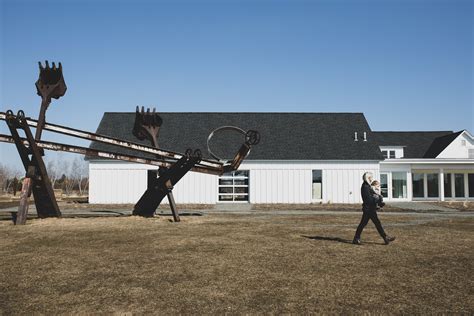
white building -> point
(302, 158)
(427, 165)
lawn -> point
(236, 264)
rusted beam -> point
(114, 141)
(107, 154)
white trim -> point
(427, 161)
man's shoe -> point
(388, 239)
(356, 241)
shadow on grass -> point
(338, 239)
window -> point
(384, 185)
(471, 153)
(234, 186)
(317, 184)
(418, 185)
(385, 154)
(470, 183)
(447, 185)
(392, 154)
(399, 185)
(432, 181)
(459, 185)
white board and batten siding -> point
(269, 182)
(291, 182)
(124, 183)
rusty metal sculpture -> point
(50, 84)
(172, 166)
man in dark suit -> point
(369, 209)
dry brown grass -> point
(464, 206)
(218, 264)
(340, 207)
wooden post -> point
(24, 196)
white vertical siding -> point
(291, 182)
(270, 182)
(116, 183)
(120, 183)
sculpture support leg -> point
(24, 197)
(173, 207)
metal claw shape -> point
(147, 125)
(50, 83)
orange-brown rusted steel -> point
(50, 84)
(173, 166)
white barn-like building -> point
(302, 158)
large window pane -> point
(317, 184)
(399, 185)
(226, 190)
(459, 184)
(470, 181)
(418, 185)
(433, 189)
(447, 185)
(384, 184)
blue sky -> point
(407, 65)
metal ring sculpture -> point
(251, 138)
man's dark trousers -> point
(365, 219)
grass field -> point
(236, 264)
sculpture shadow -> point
(338, 239)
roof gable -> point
(439, 144)
(415, 144)
(284, 136)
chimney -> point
(365, 136)
(355, 137)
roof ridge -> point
(196, 112)
(414, 132)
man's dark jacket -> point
(369, 200)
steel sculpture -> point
(172, 166)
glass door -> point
(399, 185)
(384, 184)
(234, 186)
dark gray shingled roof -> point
(284, 136)
(416, 143)
(439, 144)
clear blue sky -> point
(408, 65)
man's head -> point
(368, 177)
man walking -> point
(369, 208)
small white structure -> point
(303, 158)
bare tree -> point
(7, 174)
(54, 171)
(79, 174)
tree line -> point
(70, 176)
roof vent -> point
(355, 137)
(365, 136)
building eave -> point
(428, 161)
